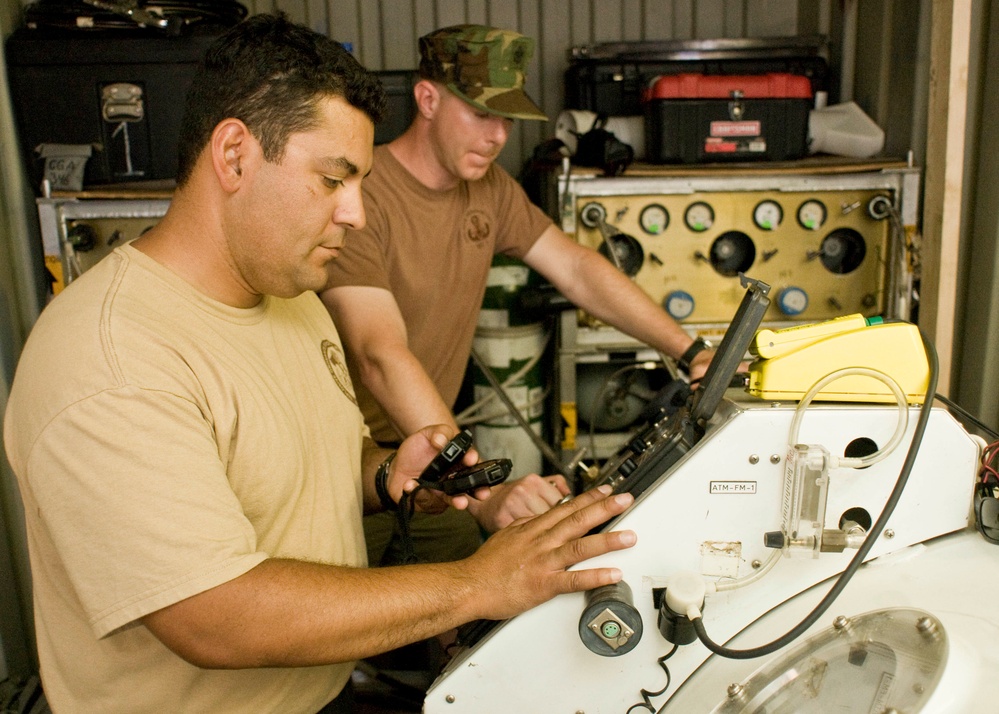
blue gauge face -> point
(793, 301)
(654, 219)
(679, 304)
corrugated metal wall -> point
(384, 33)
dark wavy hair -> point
(270, 73)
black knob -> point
(773, 539)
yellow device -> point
(801, 356)
(774, 343)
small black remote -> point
(482, 475)
(449, 457)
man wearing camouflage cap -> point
(406, 290)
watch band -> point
(381, 484)
(698, 346)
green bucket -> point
(514, 357)
(508, 278)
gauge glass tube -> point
(768, 215)
(699, 216)
(654, 219)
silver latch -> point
(121, 102)
(736, 107)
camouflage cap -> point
(482, 65)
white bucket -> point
(513, 355)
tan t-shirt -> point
(165, 443)
(432, 250)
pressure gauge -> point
(654, 219)
(767, 215)
(699, 216)
(812, 214)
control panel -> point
(824, 252)
(79, 232)
(829, 244)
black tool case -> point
(697, 118)
(610, 78)
(103, 80)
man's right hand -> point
(525, 564)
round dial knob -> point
(793, 301)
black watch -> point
(381, 484)
(699, 345)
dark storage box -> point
(610, 78)
(120, 91)
(615, 88)
(693, 118)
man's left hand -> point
(526, 497)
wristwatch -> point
(699, 345)
(381, 484)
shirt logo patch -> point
(338, 368)
(477, 226)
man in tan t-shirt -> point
(187, 441)
(407, 289)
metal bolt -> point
(926, 625)
(449, 699)
(775, 458)
(754, 459)
(734, 690)
(841, 622)
(889, 534)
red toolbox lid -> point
(775, 85)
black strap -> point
(698, 346)
(407, 506)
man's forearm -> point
(291, 613)
(621, 303)
(295, 613)
(405, 391)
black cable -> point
(954, 406)
(865, 548)
(646, 695)
(407, 506)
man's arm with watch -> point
(591, 282)
(386, 474)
